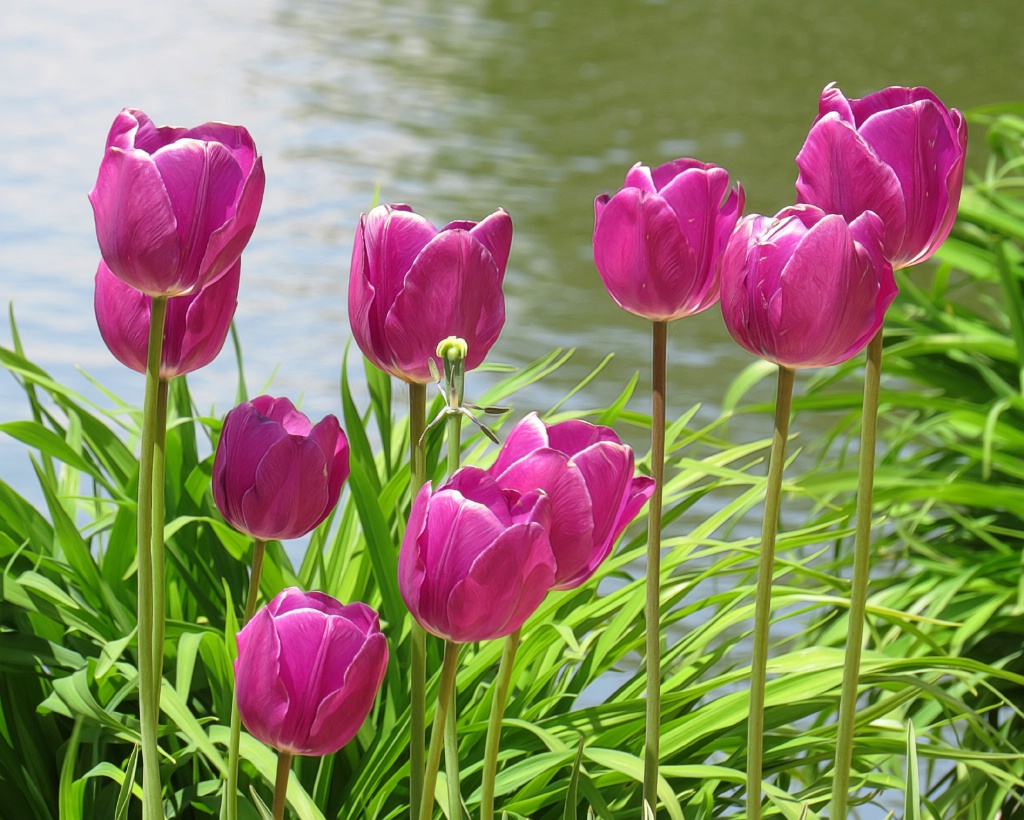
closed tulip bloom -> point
(476, 560)
(195, 329)
(175, 207)
(276, 475)
(804, 288)
(898, 152)
(588, 475)
(659, 240)
(308, 671)
(412, 285)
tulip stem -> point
(444, 698)
(451, 740)
(493, 742)
(859, 584)
(284, 767)
(149, 693)
(652, 609)
(159, 515)
(418, 635)
(230, 803)
(763, 599)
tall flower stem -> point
(418, 636)
(230, 804)
(652, 609)
(149, 692)
(455, 371)
(284, 768)
(859, 585)
(444, 698)
(159, 517)
(493, 742)
(763, 599)
(451, 740)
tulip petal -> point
(123, 315)
(452, 289)
(263, 698)
(135, 222)
(840, 174)
(288, 497)
(504, 586)
(203, 182)
(915, 141)
(529, 434)
(495, 233)
(227, 242)
(643, 256)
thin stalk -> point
(418, 636)
(451, 739)
(652, 608)
(149, 694)
(493, 742)
(444, 697)
(284, 768)
(859, 584)
(230, 803)
(763, 600)
(159, 518)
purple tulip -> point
(412, 285)
(308, 671)
(804, 288)
(898, 152)
(275, 475)
(659, 240)
(476, 560)
(588, 475)
(174, 207)
(194, 332)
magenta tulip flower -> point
(275, 475)
(476, 560)
(898, 152)
(412, 285)
(175, 207)
(659, 240)
(804, 288)
(588, 475)
(308, 671)
(195, 329)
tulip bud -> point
(175, 207)
(475, 561)
(195, 328)
(658, 241)
(275, 475)
(308, 671)
(412, 284)
(898, 152)
(804, 288)
(588, 475)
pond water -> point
(456, 108)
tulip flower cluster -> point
(482, 551)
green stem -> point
(418, 636)
(763, 600)
(159, 518)
(652, 609)
(444, 697)
(149, 696)
(451, 740)
(859, 585)
(284, 767)
(493, 742)
(230, 803)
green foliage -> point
(940, 733)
